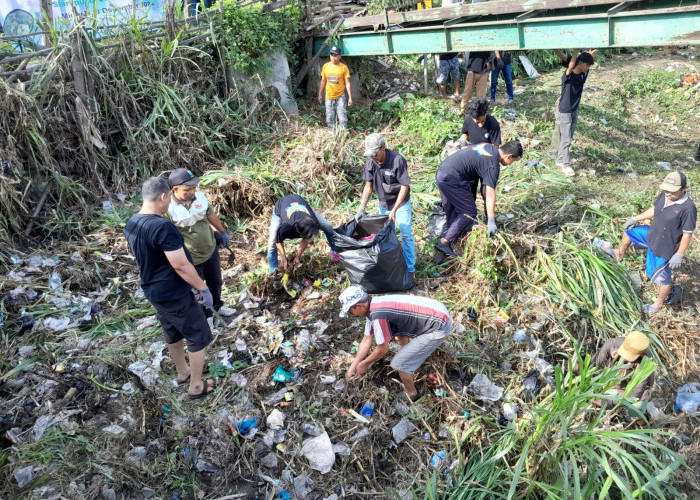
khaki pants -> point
(473, 81)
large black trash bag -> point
(376, 264)
(437, 221)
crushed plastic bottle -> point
(605, 246)
(367, 409)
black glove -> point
(499, 63)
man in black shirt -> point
(666, 239)
(386, 172)
(455, 177)
(478, 69)
(449, 70)
(479, 126)
(571, 89)
(167, 280)
(292, 218)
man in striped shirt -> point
(419, 324)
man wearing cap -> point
(630, 351)
(419, 324)
(666, 238)
(292, 218)
(335, 80)
(457, 179)
(572, 81)
(168, 279)
(387, 173)
(191, 213)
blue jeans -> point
(275, 222)
(507, 76)
(404, 222)
(337, 107)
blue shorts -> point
(658, 270)
(448, 68)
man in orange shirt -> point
(335, 79)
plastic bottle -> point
(605, 246)
(311, 429)
(107, 207)
(368, 409)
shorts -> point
(184, 318)
(448, 69)
(658, 270)
(412, 355)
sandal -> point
(205, 390)
(649, 309)
(568, 171)
(180, 382)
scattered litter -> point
(303, 486)
(147, 374)
(270, 460)
(663, 165)
(57, 324)
(311, 429)
(275, 420)
(251, 305)
(114, 429)
(437, 459)
(530, 385)
(275, 397)
(688, 398)
(45, 421)
(204, 466)
(603, 121)
(26, 351)
(283, 375)
(24, 476)
(359, 435)
(55, 281)
(484, 389)
(327, 379)
(510, 411)
(520, 335)
(341, 449)
(319, 452)
(108, 493)
(248, 426)
(239, 379)
(511, 114)
(146, 322)
(401, 430)
(367, 409)
(136, 456)
(357, 416)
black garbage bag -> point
(437, 221)
(377, 263)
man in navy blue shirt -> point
(666, 238)
(571, 89)
(455, 178)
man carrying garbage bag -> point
(386, 172)
(292, 218)
(667, 237)
(457, 179)
(419, 324)
(167, 279)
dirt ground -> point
(89, 405)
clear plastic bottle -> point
(367, 409)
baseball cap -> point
(182, 177)
(634, 345)
(373, 143)
(673, 182)
(351, 296)
(335, 50)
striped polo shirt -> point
(404, 315)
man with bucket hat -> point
(419, 325)
(666, 239)
(628, 351)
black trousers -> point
(210, 272)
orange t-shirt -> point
(335, 76)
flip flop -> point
(180, 382)
(649, 309)
(205, 390)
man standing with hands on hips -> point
(168, 279)
(387, 173)
(335, 80)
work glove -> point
(222, 239)
(630, 223)
(499, 63)
(675, 261)
(359, 215)
(491, 224)
(205, 298)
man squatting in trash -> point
(387, 173)
(419, 324)
(457, 179)
(168, 279)
(196, 220)
(667, 237)
(292, 218)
